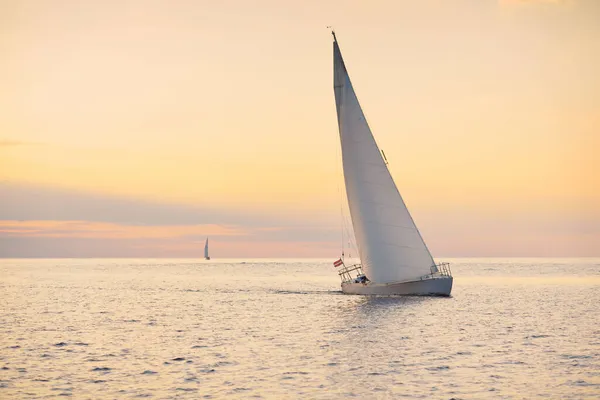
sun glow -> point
(481, 110)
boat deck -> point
(348, 273)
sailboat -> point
(394, 259)
(206, 256)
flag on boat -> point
(338, 263)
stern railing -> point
(346, 272)
(441, 269)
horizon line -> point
(253, 258)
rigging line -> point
(342, 219)
(351, 238)
(340, 176)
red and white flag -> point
(338, 263)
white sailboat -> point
(206, 256)
(394, 259)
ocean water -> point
(162, 329)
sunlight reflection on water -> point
(282, 329)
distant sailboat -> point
(394, 257)
(206, 256)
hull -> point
(441, 286)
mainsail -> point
(206, 250)
(390, 246)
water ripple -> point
(180, 329)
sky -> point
(138, 128)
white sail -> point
(206, 250)
(390, 246)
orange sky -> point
(221, 115)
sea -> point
(281, 329)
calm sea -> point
(161, 329)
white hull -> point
(439, 286)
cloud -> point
(10, 143)
(51, 247)
(517, 2)
(38, 221)
(17, 143)
(87, 229)
(101, 239)
(31, 202)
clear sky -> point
(138, 128)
